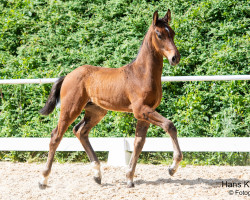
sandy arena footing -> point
(152, 182)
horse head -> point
(163, 38)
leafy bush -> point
(45, 39)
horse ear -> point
(155, 17)
(167, 17)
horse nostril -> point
(174, 59)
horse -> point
(133, 88)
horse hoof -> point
(42, 186)
(171, 171)
(98, 180)
(130, 185)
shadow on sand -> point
(210, 182)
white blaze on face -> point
(166, 28)
(169, 54)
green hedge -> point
(47, 39)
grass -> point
(155, 158)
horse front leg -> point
(144, 112)
(140, 135)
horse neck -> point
(149, 62)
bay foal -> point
(134, 88)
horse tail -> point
(54, 97)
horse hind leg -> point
(68, 114)
(54, 142)
(93, 115)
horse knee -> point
(170, 127)
(140, 113)
(137, 114)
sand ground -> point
(152, 182)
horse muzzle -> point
(174, 60)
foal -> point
(134, 88)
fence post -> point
(118, 154)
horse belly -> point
(112, 101)
(110, 94)
(114, 106)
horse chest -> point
(152, 96)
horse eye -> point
(159, 35)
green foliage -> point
(45, 39)
(208, 158)
(40, 156)
(166, 158)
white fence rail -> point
(206, 78)
(119, 148)
(163, 79)
(28, 81)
